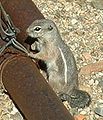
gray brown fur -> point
(56, 55)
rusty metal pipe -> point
(20, 76)
(30, 91)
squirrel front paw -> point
(36, 46)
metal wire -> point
(8, 32)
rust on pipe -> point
(20, 76)
(31, 92)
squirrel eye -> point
(37, 28)
(50, 27)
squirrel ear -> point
(50, 27)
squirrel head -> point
(43, 28)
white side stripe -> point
(65, 65)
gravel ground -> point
(80, 23)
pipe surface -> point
(28, 89)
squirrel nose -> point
(27, 30)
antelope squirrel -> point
(61, 67)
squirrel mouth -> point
(30, 41)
